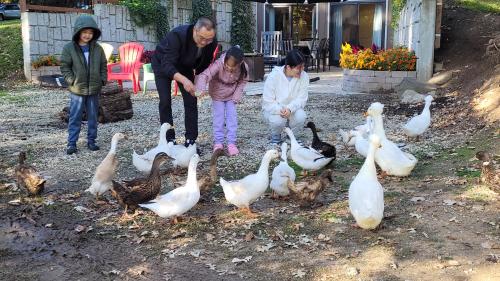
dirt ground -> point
(440, 223)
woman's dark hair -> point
(237, 54)
(293, 58)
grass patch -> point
(9, 98)
(11, 51)
(488, 6)
(354, 162)
(468, 173)
(479, 193)
(331, 217)
(343, 183)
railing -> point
(85, 6)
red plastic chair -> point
(130, 64)
(216, 52)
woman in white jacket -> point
(285, 95)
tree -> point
(243, 25)
(201, 8)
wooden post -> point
(22, 3)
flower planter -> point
(44, 70)
(365, 81)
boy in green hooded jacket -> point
(83, 65)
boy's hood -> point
(84, 22)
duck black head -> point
(311, 125)
(160, 158)
(22, 157)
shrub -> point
(45, 61)
(396, 59)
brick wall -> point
(364, 81)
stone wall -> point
(180, 12)
(416, 30)
(46, 33)
(364, 81)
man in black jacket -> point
(187, 50)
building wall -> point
(46, 33)
(416, 30)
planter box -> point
(255, 64)
(44, 70)
(365, 81)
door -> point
(359, 24)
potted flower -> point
(371, 69)
(45, 66)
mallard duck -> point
(245, 191)
(105, 172)
(181, 154)
(180, 200)
(281, 175)
(489, 174)
(417, 125)
(322, 147)
(207, 182)
(366, 195)
(130, 194)
(144, 162)
(307, 191)
(306, 157)
(28, 177)
(389, 156)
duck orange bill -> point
(365, 114)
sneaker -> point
(71, 150)
(218, 146)
(232, 150)
(93, 147)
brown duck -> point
(131, 193)
(306, 191)
(207, 182)
(28, 177)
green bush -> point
(11, 54)
(201, 8)
(243, 25)
(149, 12)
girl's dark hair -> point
(237, 54)
(293, 58)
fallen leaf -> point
(80, 228)
(300, 273)
(449, 202)
(209, 237)
(139, 240)
(82, 209)
(195, 253)
(352, 271)
(415, 215)
(15, 202)
(49, 225)
(265, 248)
(323, 237)
(394, 265)
(411, 230)
(417, 199)
(454, 219)
(243, 260)
(249, 236)
(298, 226)
(291, 245)
(493, 258)
(145, 232)
(453, 263)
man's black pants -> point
(163, 86)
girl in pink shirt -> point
(224, 80)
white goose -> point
(361, 145)
(366, 128)
(417, 125)
(245, 191)
(306, 157)
(366, 195)
(282, 175)
(105, 172)
(180, 200)
(144, 162)
(346, 137)
(389, 156)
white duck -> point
(306, 157)
(366, 128)
(144, 162)
(282, 175)
(361, 145)
(389, 156)
(180, 200)
(417, 125)
(366, 195)
(245, 191)
(347, 137)
(181, 154)
(105, 172)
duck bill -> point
(365, 114)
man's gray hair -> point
(204, 22)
